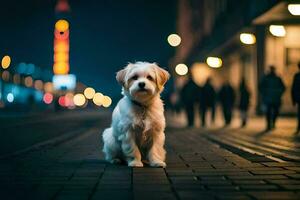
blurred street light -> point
(277, 30)
(98, 99)
(62, 25)
(28, 81)
(106, 101)
(48, 98)
(181, 69)
(89, 93)
(79, 99)
(174, 40)
(294, 9)
(214, 62)
(247, 38)
(5, 62)
(10, 97)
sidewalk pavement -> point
(196, 169)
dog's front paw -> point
(158, 164)
(135, 163)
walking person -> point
(296, 95)
(227, 98)
(244, 102)
(207, 101)
(189, 95)
(271, 89)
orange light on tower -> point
(61, 47)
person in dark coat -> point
(271, 89)
(189, 96)
(227, 98)
(207, 101)
(244, 102)
(296, 94)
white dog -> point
(138, 122)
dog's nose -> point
(142, 85)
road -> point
(73, 167)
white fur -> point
(137, 129)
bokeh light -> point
(10, 97)
(247, 38)
(294, 9)
(38, 84)
(48, 87)
(62, 101)
(214, 62)
(62, 25)
(89, 93)
(17, 79)
(181, 69)
(98, 99)
(28, 81)
(106, 101)
(174, 40)
(79, 99)
(48, 98)
(5, 62)
(277, 30)
(5, 75)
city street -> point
(61, 164)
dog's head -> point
(142, 80)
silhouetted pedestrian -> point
(271, 89)
(296, 95)
(227, 98)
(244, 102)
(207, 101)
(189, 95)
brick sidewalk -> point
(197, 169)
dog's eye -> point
(135, 77)
(150, 78)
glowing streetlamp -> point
(5, 62)
(247, 38)
(79, 99)
(181, 69)
(294, 9)
(214, 62)
(89, 93)
(98, 99)
(174, 40)
(277, 30)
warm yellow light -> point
(61, 57)
(62, 25)
(48, 87)
(106, 101)
(277, 30)
(181, 69)
(61, 46)
(89, 93)
(28, 81)
(247, 38)
(294, 9)
(79, 99)
(98, 99)
(214, 62)
(61, 68)
(174, 40)
(5, 62)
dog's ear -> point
(121, 76)
(162, 77)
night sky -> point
(104, 35)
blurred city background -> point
(235, 81)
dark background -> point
(104, 35)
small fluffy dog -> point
(138, 122)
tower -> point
(62, 80)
